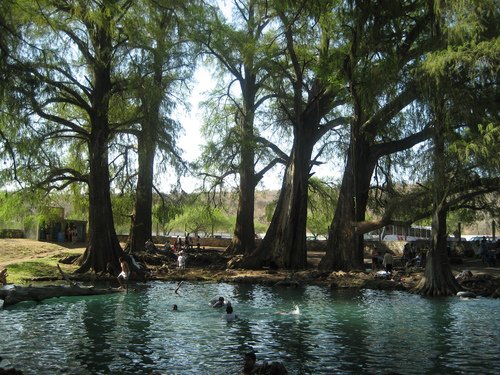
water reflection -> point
(336, 332)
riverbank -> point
(31, 261)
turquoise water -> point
(336, 332)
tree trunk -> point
(103, 247)
(142, 223)
(284, 244)
(344, 250)
(244, 231)
(438, 277)
(103, 244)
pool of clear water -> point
(311, 330)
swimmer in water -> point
(219, 303)
(295, 311)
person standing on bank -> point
(124, 274)
(387, 263)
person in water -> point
(219, 303)
(230, 315)
(174, 307)
(250, 360)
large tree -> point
(162, 60)
(385, 43)
(462, 102)
(309, 93)
(243, 48)
(64, 73)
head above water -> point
(229, 309)
(221, 299)
(250, 356)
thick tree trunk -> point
(142, 223)
(344, 249)
(103, 247)
(103, 244)
(438, 277)
(147, 145)
(244, 231)
(285, 242)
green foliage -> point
(322, 202)
(481, 146)
(164, 214)
(12, 209)
(199, 218)
(123, 207)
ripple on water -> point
(335, 332)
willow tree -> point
(461, 97)
(242, 47)
(385, 43)
(309, 95)
(64, 71)
(160, 61)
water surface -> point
(336, 332)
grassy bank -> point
(28, 260)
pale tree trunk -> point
(244, 232)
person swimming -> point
(230, 315)
(219, 303)
(295, 311)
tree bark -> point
(438, 278)
(284, 244)
(142, 223)
(344, 250)
(244, 232)
(103, 246)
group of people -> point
(413, 256)
(179, 245)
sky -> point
(191, 140)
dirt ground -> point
(202, 266)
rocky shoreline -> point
(210, 265)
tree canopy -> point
(378, 89)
